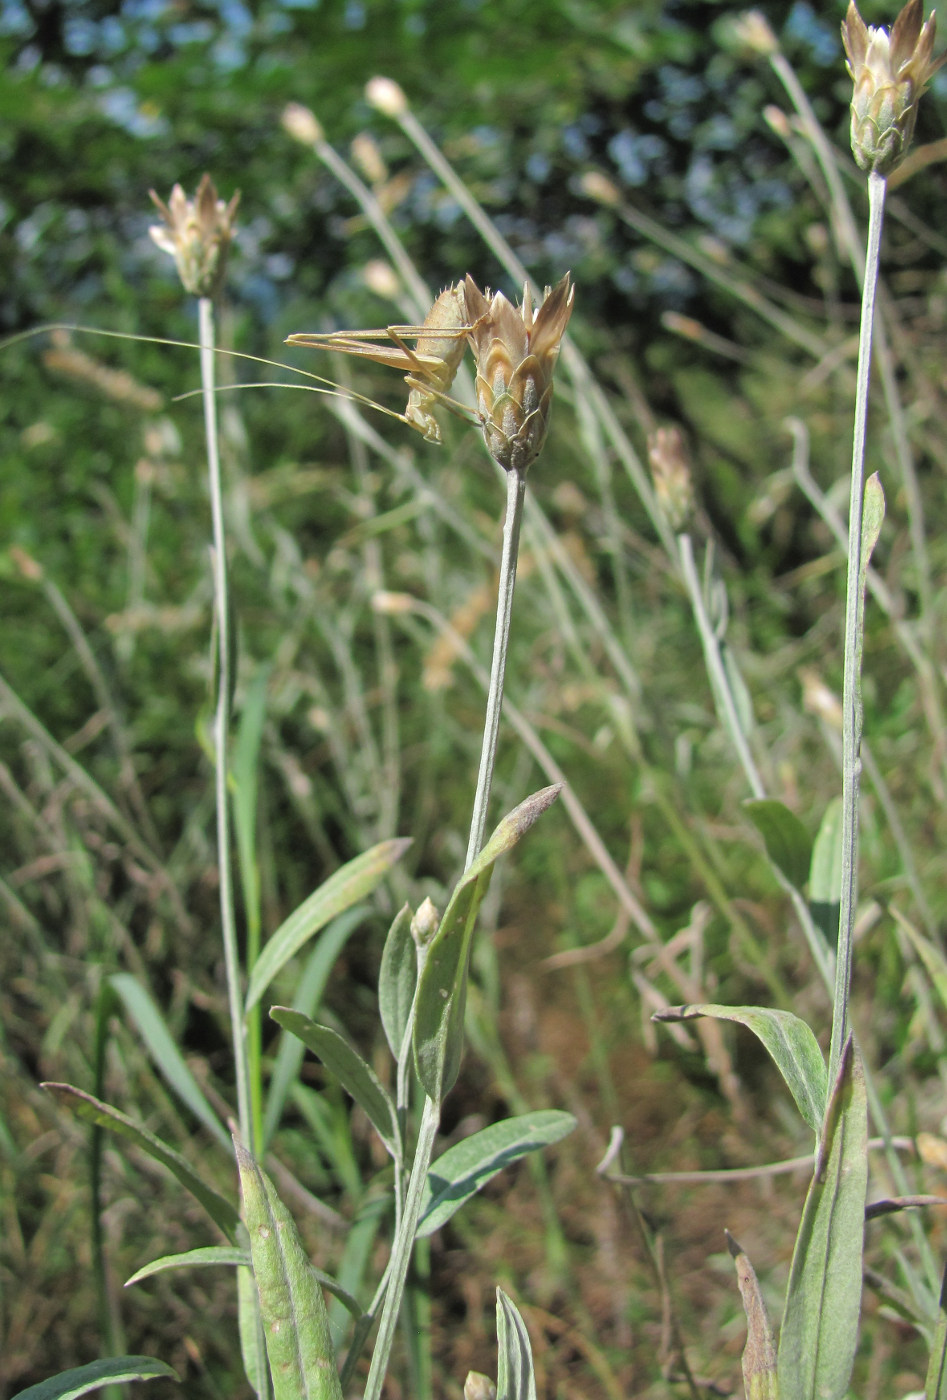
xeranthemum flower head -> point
(890, 73)
(197, 233)
(516, 357)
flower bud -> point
(670, 469)
(197, 233)
(301, 124)
(516, 356)
(890, 72)
(386, 96)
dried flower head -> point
(516, 357)
(890, 72)
(671, 472)
(197, 233)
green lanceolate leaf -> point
(114, 1370)
(250, 1325)
(356, 1077)
(95, 1111)
(191, 1259)
(309, 991)
(516, 1379)
(442, 990)
(820, 1323)
(791, 1044)
(397, 980)
(164, 1053)
(759, 1356)
(825, 873)
(935, 1386)
(786, 839)
(347, 886)
(295, 1321)
(467, 1166)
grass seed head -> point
(516, 356)
(890, 73)
(197, 233)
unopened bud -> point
(477, 1386)
(516, 357)
(386, 96)
(301, 124)
(425, 923)
(671, 473)
(197, 233)
(595, 185)
(890, 73)
(754, 32)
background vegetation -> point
(372, 718)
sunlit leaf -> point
(791, 1044)
(114, 1370)
(355, 881)
(442, 992)
(465, 1168)
(819, 1334)
(516, 1379)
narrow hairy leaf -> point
(191, 1259)
(516, 1379)
(397, 980)
(295, 1322)
(442, 992)
(786, 839)
(823, 1300)
(825, 872)
(114, 1370)
(95, 1111)
(346, 887)
(250, 1326)
(935, 1385)
(164, 1053)
(308, 996)
(463, 1169)
(759, 1356)
(356, 1077)
(791, 1044)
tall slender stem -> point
(222, 731)
(854, 626)
(515, 496)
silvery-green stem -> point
(222, 730)
(430, 1121)
(854, 629)
(401, 1250)
(515, 496)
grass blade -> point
(791, 1044)
(93, 1110)
(346, 887)
(295, 1321)
(309, 995)
(823, 1301)
(114, 1370)
(356, 1077)
(465, 1168)
(516, 1379)
(786, 839)
(165, 1054)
